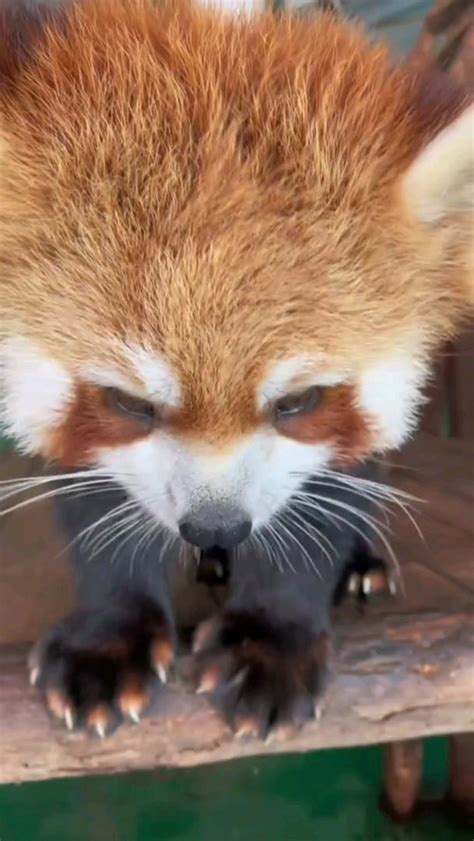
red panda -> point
(228, 250)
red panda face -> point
(218, 283)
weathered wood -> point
(398, 678)
(403, 767)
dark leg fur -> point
(105, 662)
(263, 658)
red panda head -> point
(227, 248)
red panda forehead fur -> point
(222, 192)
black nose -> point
(215, 528)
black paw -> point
(365, 577)
(96, 669)
(265, 675)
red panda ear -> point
(440, 182)
(22, 22)
(438, 189)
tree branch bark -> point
(401, 677)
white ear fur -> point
(441, 179)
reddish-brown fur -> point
(225, 193)
(90, 424)
(336, 421)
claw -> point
(134, 699)
(69, 718)
(134, 715)
(34, 675)
(161, 672)
(242, 732)
(208, 682)
(100, 729)
(280, 734)
(98, 720)
(247, 728)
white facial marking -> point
(285, 373)
(171, 480)
(159, 379)
(260, 475)
(158, 382)
(390, 393)
(107, 376)
(35, 393)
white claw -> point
(242, 733)
(100, 730)
(34, 675)
(161, 672)
(69, 718)
(134, 716)
(317, 712)
(366, 585)
(392, 587)
(353, 585)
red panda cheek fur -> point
(338, 422)
(89, 426)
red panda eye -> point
(126, 404)
(293, 405)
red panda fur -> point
(225, 191)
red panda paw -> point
(265, 675)
(98, 669)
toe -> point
(100, 720)
(60, 707)
(133, 697)
(161, 656)
(215, 670)
(206, 634)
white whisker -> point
(110, 525)
(72, 489)
(114, 512)
(127, 524)
(373, 524)
(374, 492)
(280, 547)
(304, 526)
(294, 539)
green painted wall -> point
(325, 796)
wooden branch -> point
(402, 677)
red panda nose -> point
(206, 528)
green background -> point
(324, 796)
